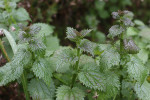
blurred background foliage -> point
(80, 14)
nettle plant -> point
(10, 17)
(10, 14)
(89, 71)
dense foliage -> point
(91, 69)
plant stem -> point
(3, 50)
(121, 55)
(24, 83)
(76, 68)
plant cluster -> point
(118, 70)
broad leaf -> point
(34, 29)
(127, 90)
(21, 15)
(143, 55)
(22, 57)
(40, 91)
(85, 59)
(66, 93)
(109, 58)
(52, 43)
(127, 21)
(139, 22)
(131, 31)
(63, 59)
(91, 77)
(43, 70)
(72, 34)
(46, 29)
(130, 46)
(10, 72)
(115, 31)
(143, 90)
(92, 21)
(136, 69)
(37, 46)
(100, 37)
(88, 46)
(112, 86)
(85, 32)
(145, 33)
(14, 69)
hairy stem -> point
(76, 68)
(4, 51)
(24, 83)
(121, 55)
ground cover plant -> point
(115, 70)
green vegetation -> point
(93, 65)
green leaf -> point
(21, 15)
(148, 46)
(37, 46)
(34, 29)
(22, 57)
(131, 31)
(139, 23)
(40, 91)
(85, 59)
(110, 58)
(87, 46)
(46, 29)
(43, 70)
(145, 33)
(12, 5)
(100, 37)
(143, 55)
(130, 46)
(115, 31)
(136, 69)
(72, 34)
(91, 77)
(112, 86)
(63, 59)
(91, 21)
(85, 32)
(127, 90)
(52, 43)
(103, 14)
(143, 90)
(3, 26)
(127, 21)
(99, 5)
(128, 15)
(66, 93)
(115, 15)
(10, 72)
(2, 5)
